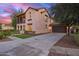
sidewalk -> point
(61, 51)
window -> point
(46, 15)
(46, 18)
(41, 12)
(29, 12)
(23, 20)
(29, 19)
(24, 16)
(20, 20)
(29, 23)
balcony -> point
(20, 21)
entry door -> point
(30, 27)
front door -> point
(29, 27)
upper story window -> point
(46, 15)
(29, 19)
(29, 12)
(41, 12)
(29, 23)
(23, 16)
(46, 18)
(23, 21)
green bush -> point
(1, 35)
(5, 34)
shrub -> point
(4, 34)
(1, 35)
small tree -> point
(14, 18)
(14, 21)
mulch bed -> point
(67, 41)
(56, 54)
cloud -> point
(5, 14)
(6, 20)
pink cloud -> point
(6, 20)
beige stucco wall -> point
(42, 24)
(39, 22)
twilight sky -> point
(7, 9)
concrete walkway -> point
(62, 51)
(37, 45)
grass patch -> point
(76, 38)
(23, 36)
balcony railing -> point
(20, 21)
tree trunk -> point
(68, 30)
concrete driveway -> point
(37, 45)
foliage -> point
(14, 22)
(5, 34)
(66, 13)
(1, 35)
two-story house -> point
(34, 20)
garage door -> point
(59, 28)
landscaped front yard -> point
(23, 36)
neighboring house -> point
(6, 27)
(34, 20)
